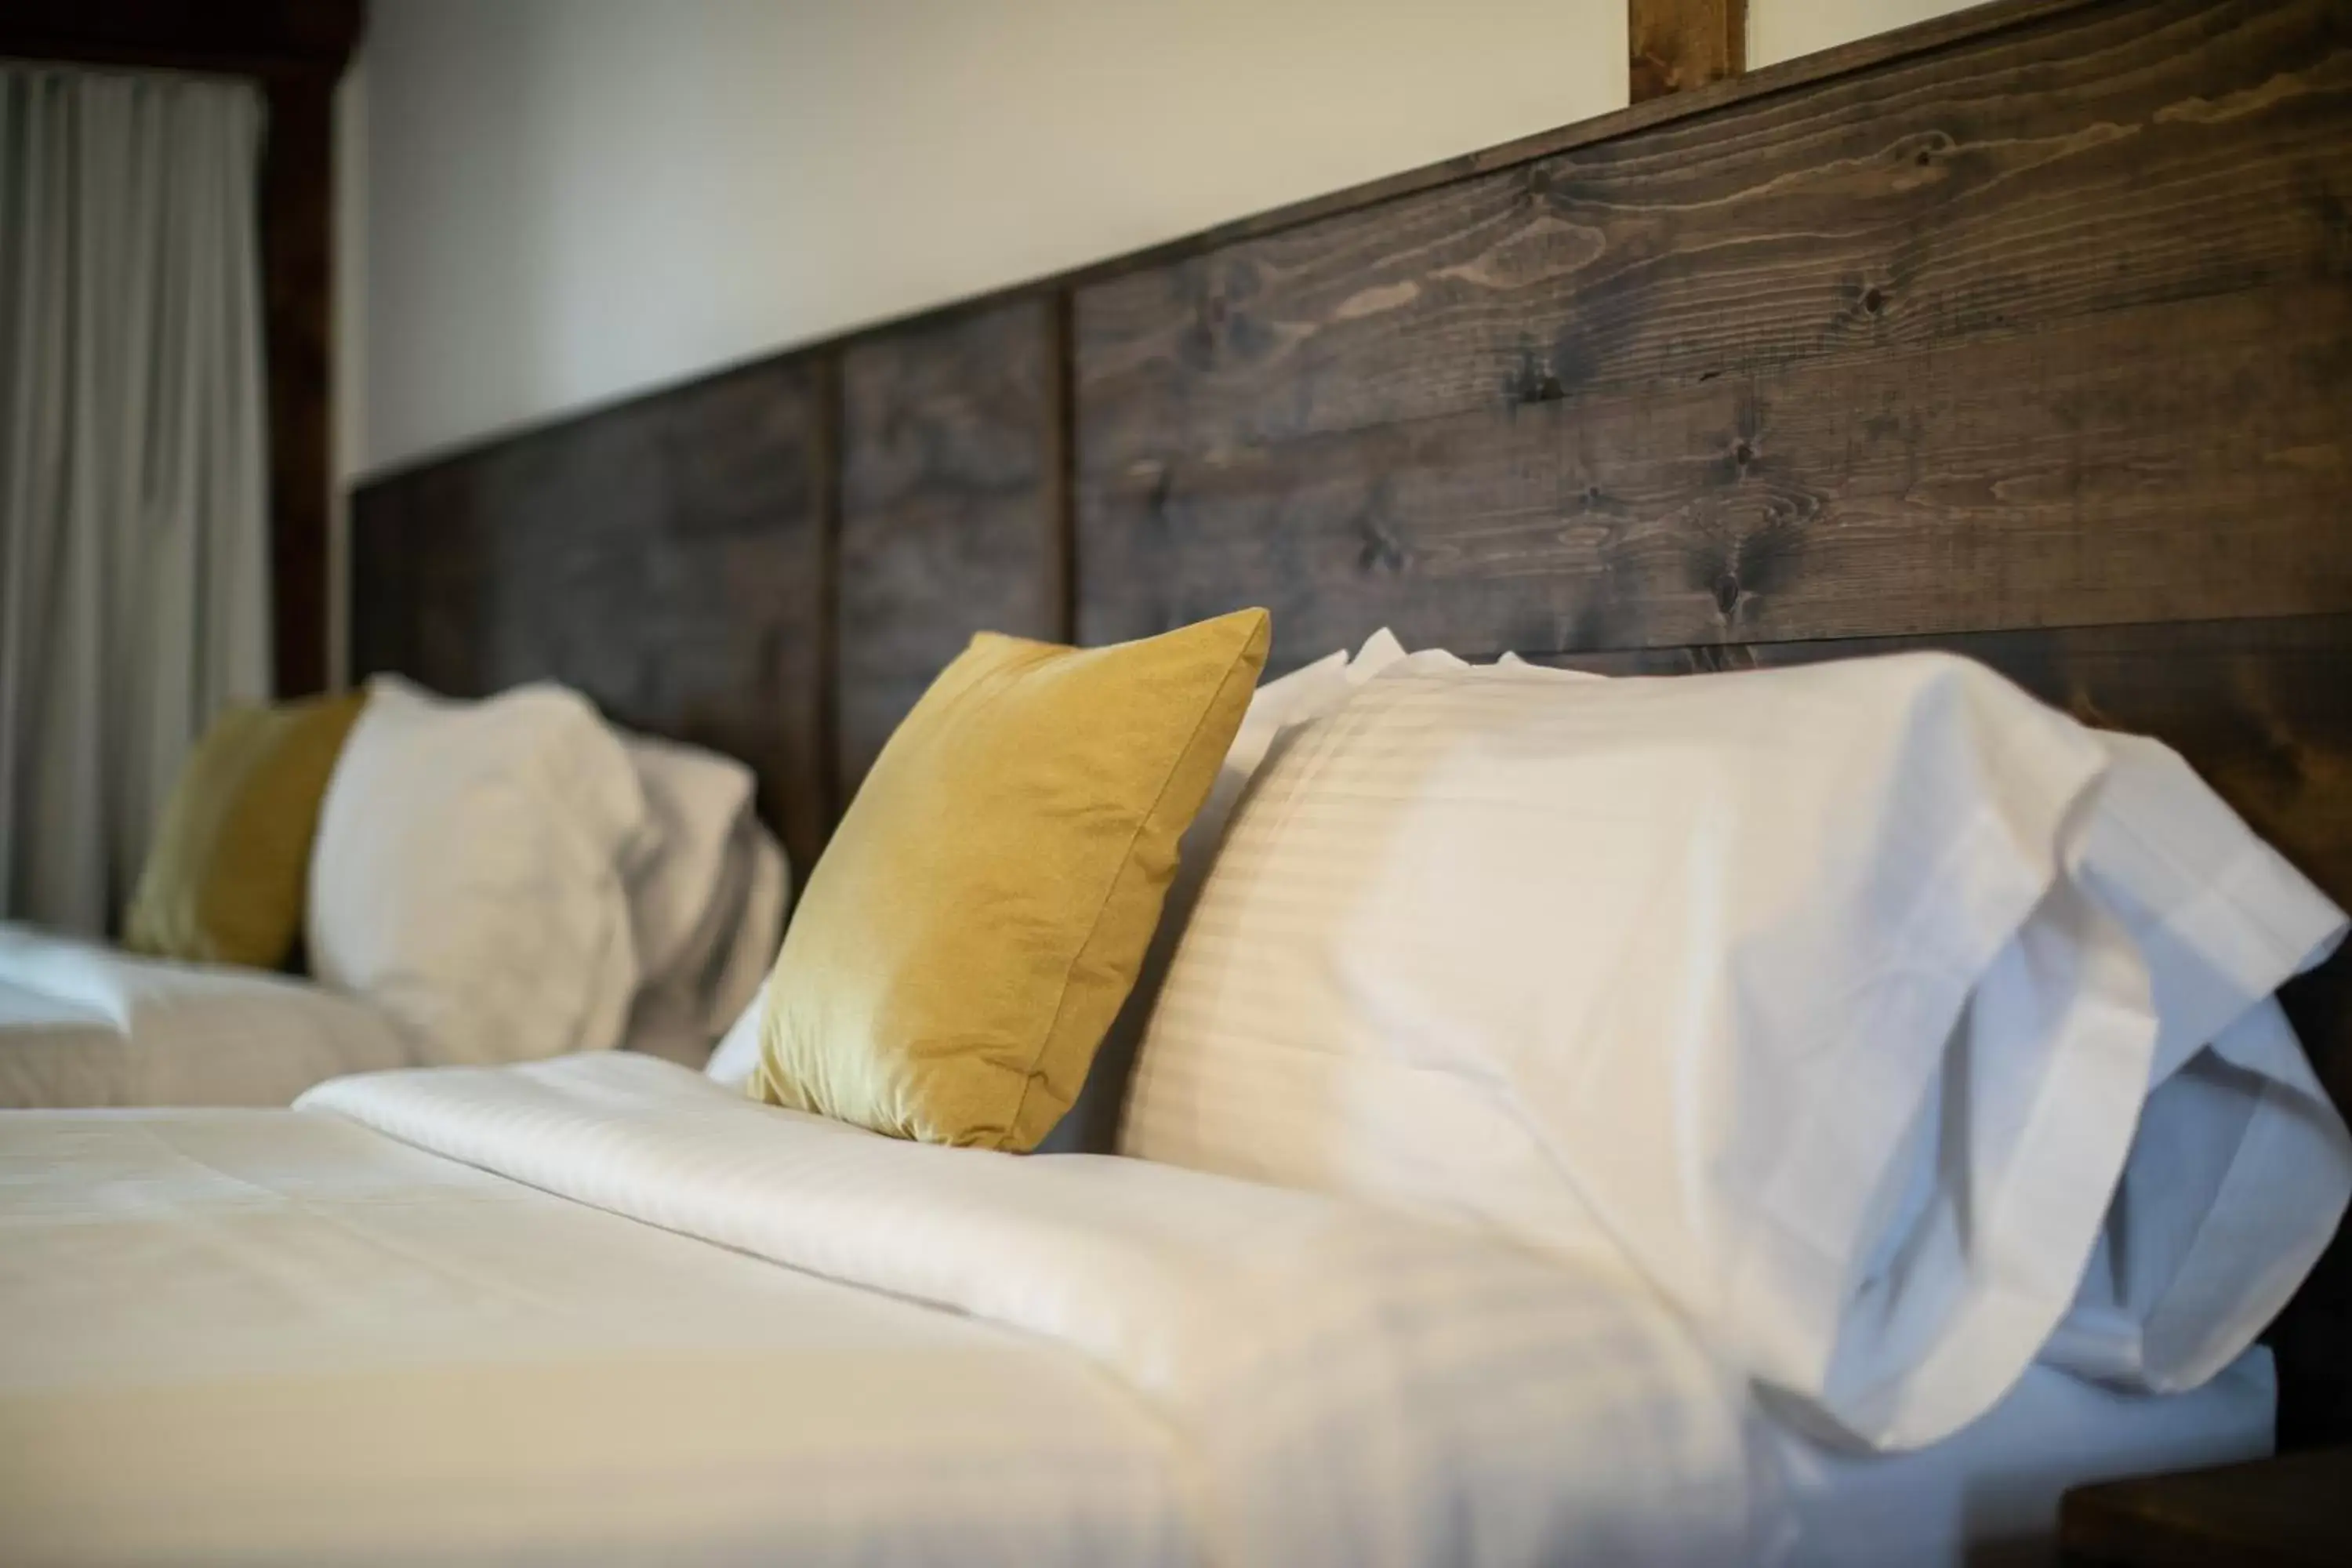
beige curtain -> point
(134, 591)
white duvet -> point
(84, 1025)
(601, 1310)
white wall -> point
(566, 201)
(1782, 29)
(569, 200)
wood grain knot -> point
(1210, 321)
(1534, 381)
(1727, 593)
(1382, 552)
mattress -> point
(84, 1025)
(599, 1310)
(1988, 1496)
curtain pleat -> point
(134, 590)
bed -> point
(496, 1345)
(85, 1024)
(1135, 1363)
(472, 899)
(2016, 336)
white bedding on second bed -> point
(289, 1336)
(85, 1024)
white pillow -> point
(2223, 919)
(1091, 1124)
(694, 800)
(2242, 1167)
(705, 897)
(742, 962)
(2236, 1183)
(1686, 967)
(739, 1048)
(743, 928)
(467, 872)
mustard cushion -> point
(224, 880)
(986, 903)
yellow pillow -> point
(224, 880)
(986, 903)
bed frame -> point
(2026, 332)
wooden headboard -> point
(2026, 332)
(669, 557)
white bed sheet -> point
(1987, 1497)
(287, 1339)
(287, 1336)
(84, 1025)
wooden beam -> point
(1677, 45)
(297, 291)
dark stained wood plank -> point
(2312, 1339)
(664, 558)
(1677, 45)
(951, 507)
(826, 367)
(2291, 1511)
(2099, 160)
(1806, 73)
(2182, 461)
